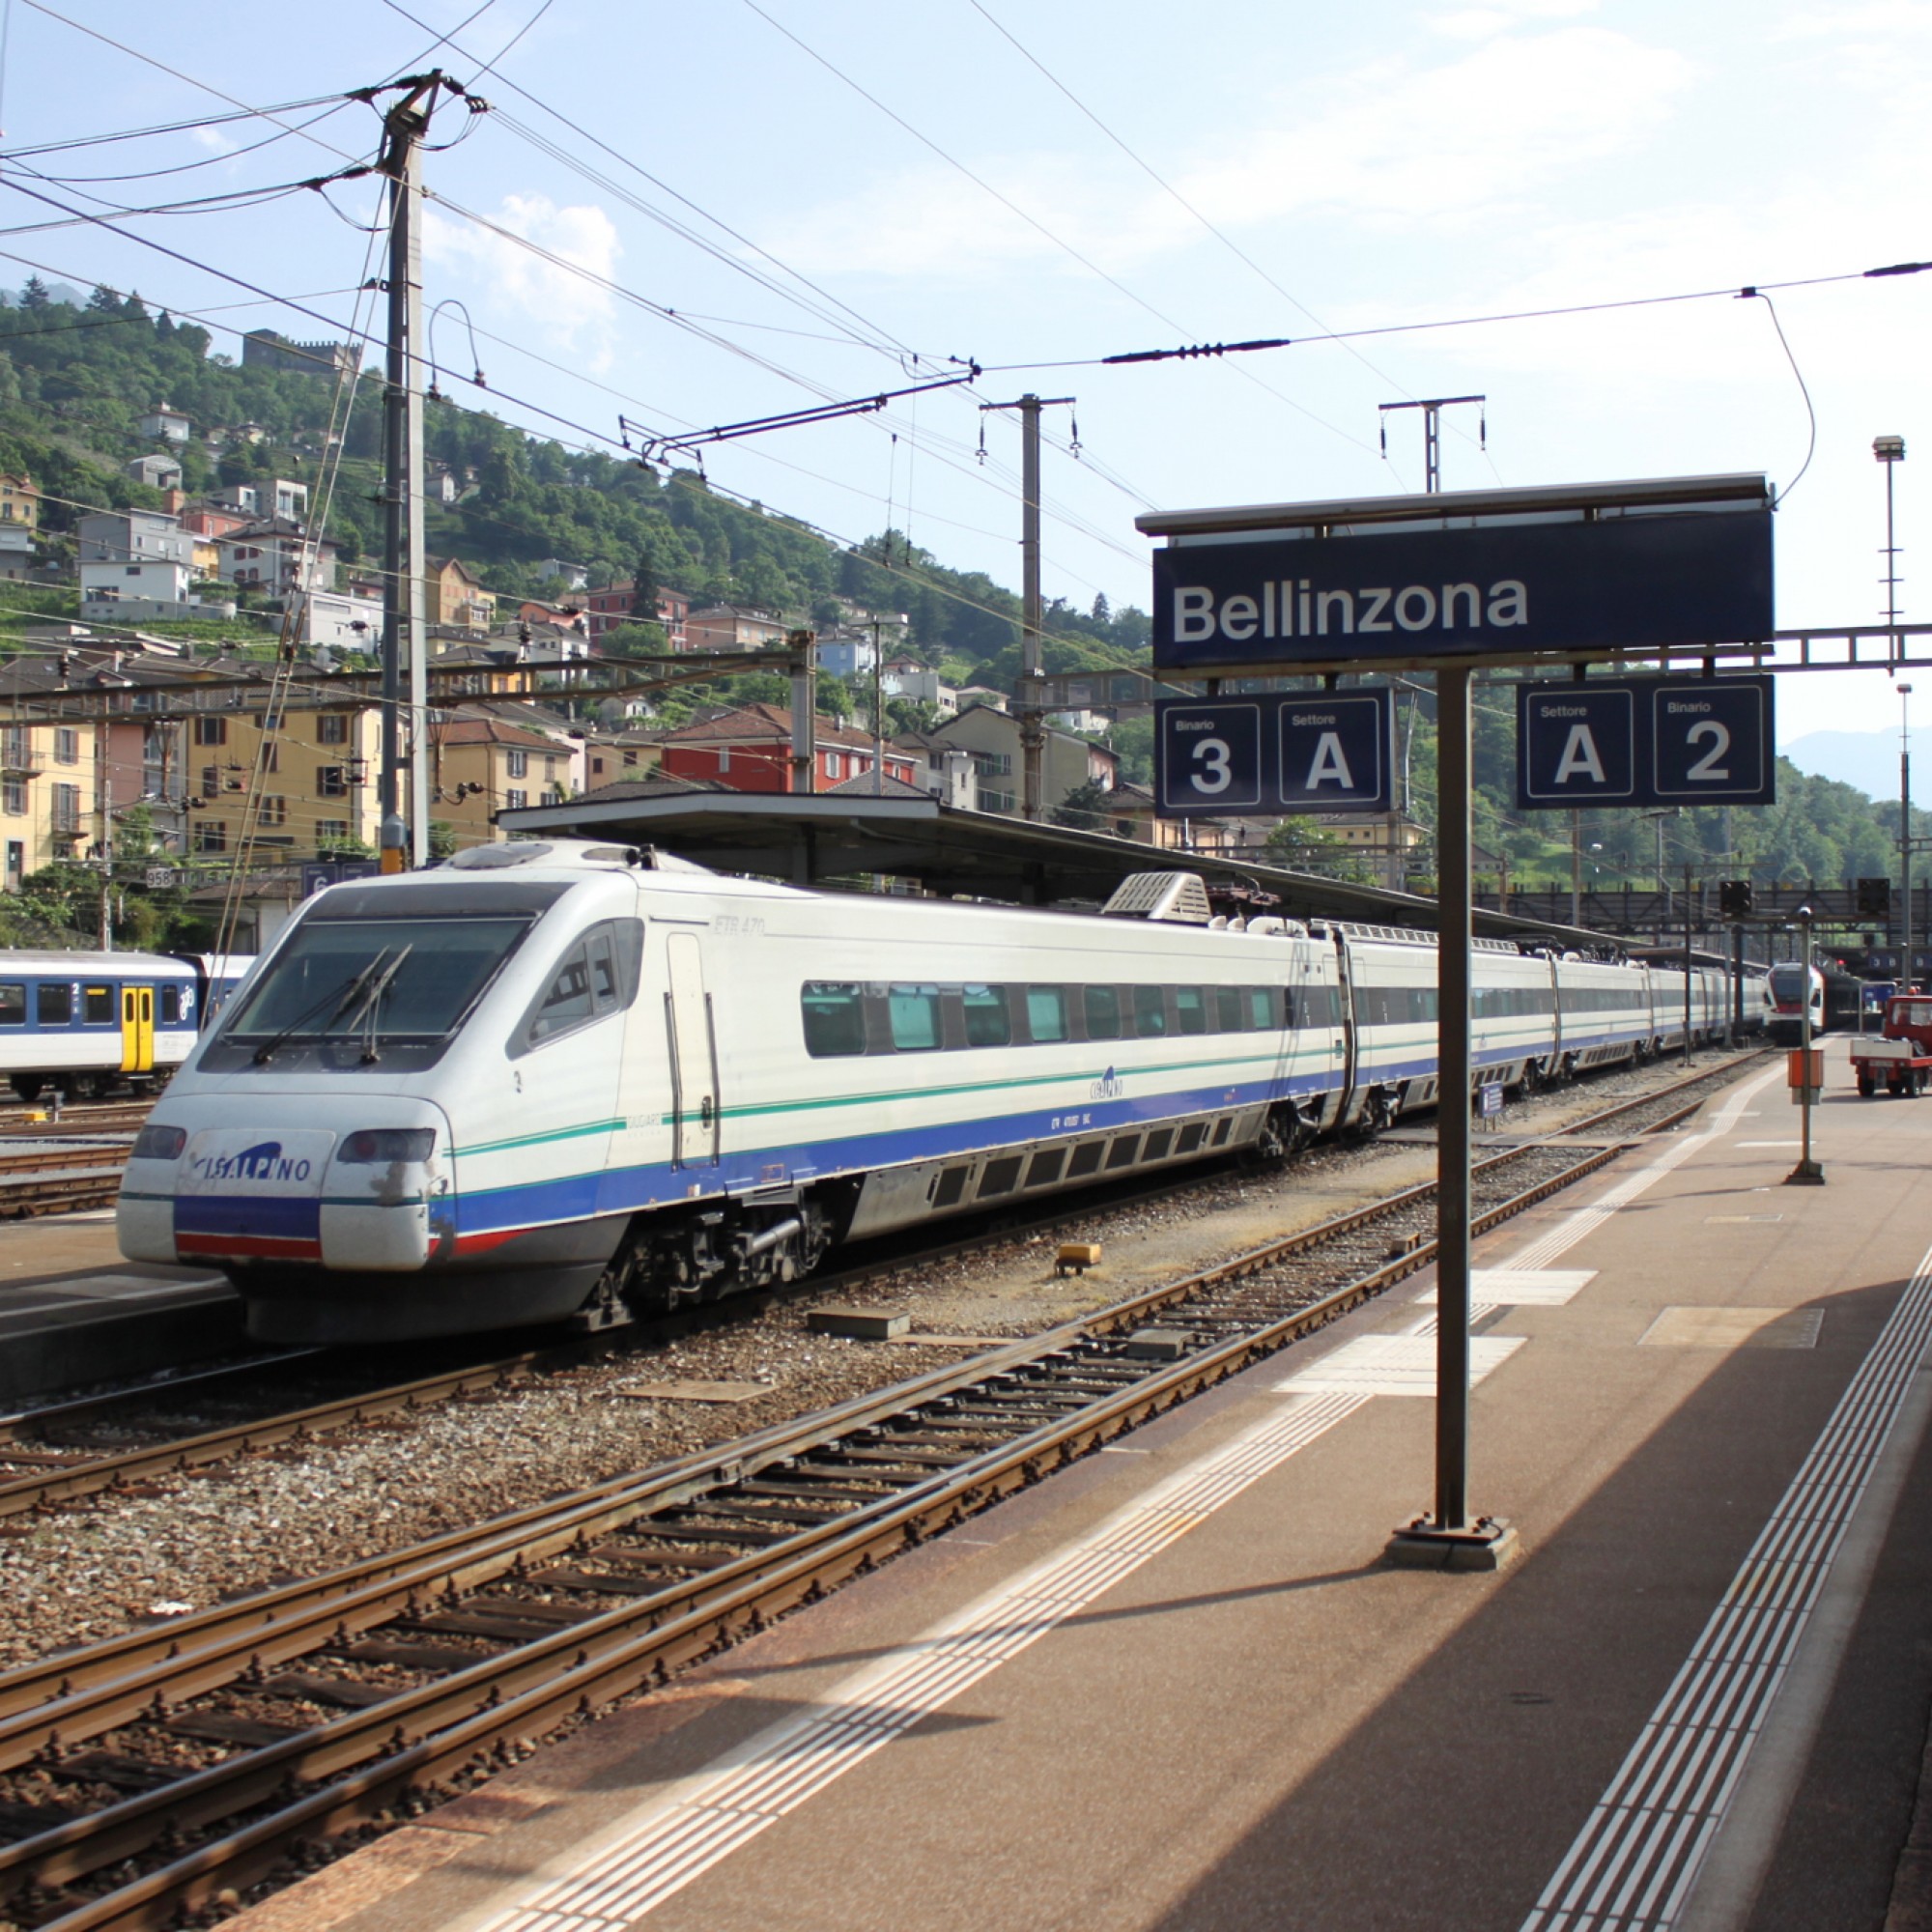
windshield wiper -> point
(342, 995)
(372, 997)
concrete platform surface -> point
(1179, 1686)
(73, 1312)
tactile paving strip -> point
(1633, 1864)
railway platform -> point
(1179, 1686)
(73, 1312)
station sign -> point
(1645, 741)
(1507, 589)
(1274, 754)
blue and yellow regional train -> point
(80, 1023)
(571, 1080)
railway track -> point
(147, 1774)
(47, 1456)
(59, 1179)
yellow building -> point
(315, 778)
(455, 597)
(482, 766)
(49, 796)
(20, 502)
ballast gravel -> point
(103, 1566)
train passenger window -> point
(1190, 1009)
(1046, 1013)
(99, 1008)
(13, 1004)
(171, 1005)
(53, 1003)
(835, 1019)
(1230, 1011)
(1150, 1012)
(1262, 1008)
(1103, 1013)
(987, 1021)
(915, 1017)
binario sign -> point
(1507, 579)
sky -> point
(694, 215)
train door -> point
(137, 1029)
(1348, 1043)
(696, 1126)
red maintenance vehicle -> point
(1900, 1059)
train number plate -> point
(235, 1160)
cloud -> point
(574, 313)
(1397, 144)
(1481, 23)
(213, 140)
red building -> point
(604, 608)
(750, 750)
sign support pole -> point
(1448, 1540)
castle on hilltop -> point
(265, 349)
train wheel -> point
(27, 1087)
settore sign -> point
(1651, 741)
(1273, 753)
(1507, 589)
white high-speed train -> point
(566, 1079)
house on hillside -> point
(164, 425)
(733, 627)
(157, 472)
(570, 576)
(749, 748)
(993, 738)
(609, 605)
(455, 596)
(278, 556)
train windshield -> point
(372, 982)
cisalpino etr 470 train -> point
(575, 1080)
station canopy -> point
(828, 839)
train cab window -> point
(835, 1019)
(1150, 1012)
(598, 975)
(171, 1005)
(53, 1003)
(1103, 1013)
(915, 1018)
(1190, 1009)
(987, 1021)
(99, 1005)
(1046, 1013)
(13, 1004)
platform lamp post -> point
(1808, 1172)
(1904, 837)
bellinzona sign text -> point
(1500, 591)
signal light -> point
(1874, 898)
(1734, 898)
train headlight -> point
(155, 1143)
(380, 1146)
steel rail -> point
(429, 1733)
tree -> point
(35, 295)
(1084, 809)
(644, 590)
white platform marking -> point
(1521, 1288)
(667, 1842)
(1635, 1862)
(1393, 1365)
